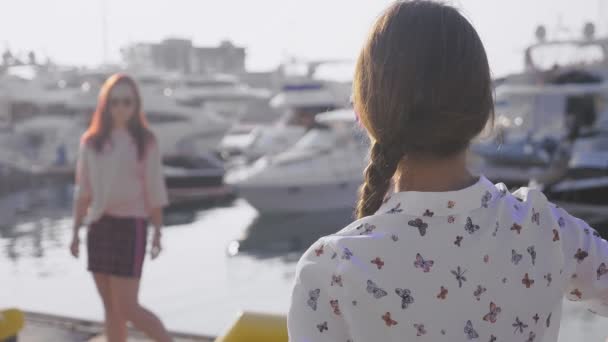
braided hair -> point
(422, 88)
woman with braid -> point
(437, 253)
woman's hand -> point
(75, 246)
(156, 244)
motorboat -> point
(583, 191)
(535, 127)
(300, 101)
(195, 180)
(223, 94)
(50, 142)
(182, 130)
(25, 97)
(322, 171)
(309, 88)
(547, 60)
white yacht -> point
(26, 97)
(49, 142)
(33, 137)
(548, 59)
(224, 94)
(322, 171)
(534, 130)
(300, 100)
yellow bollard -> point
(256, 327)
(11, 322)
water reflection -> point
(33, 220)
(184, 214)
(288, 235)
(36, 219)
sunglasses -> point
(125, 102)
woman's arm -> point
(81, 205)
(156, 194)
(156, 190)
(156, 218)
(586, 262)
(82, 197)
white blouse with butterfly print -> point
(476, 264)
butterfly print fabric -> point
(406, 297)
(313, 297)
(470, 227)
(418, 223)
(397, 209)
(425, 265)
(493, 314)
(388, 320)
(515, 257)
(373, 289)
(478, 264)
(470, 333)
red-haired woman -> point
(119, 187)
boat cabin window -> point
(580, 114)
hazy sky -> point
(70, 31)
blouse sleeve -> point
(586, 263)
(314, 314)
(83, 178)
(156, 190)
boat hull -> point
(274, 199)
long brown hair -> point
(100, 128)
(422, 88)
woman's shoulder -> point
(359, 228)
(533, 203)
(533, 199)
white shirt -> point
(476, 264)
(118, 182)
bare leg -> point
(126, 291)
(115, 323)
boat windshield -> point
(316, 139)
(550, 56)
(302, 116)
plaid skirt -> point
(117, 246)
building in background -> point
(226, 58)
(180, 55)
